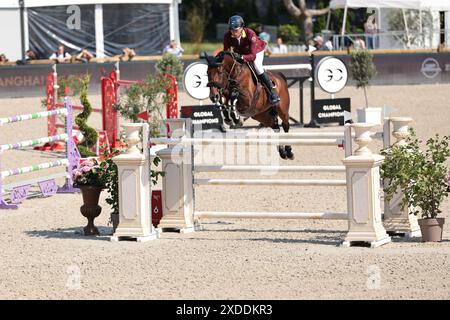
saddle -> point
(257, 81)
(255, 78)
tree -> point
(362, 69)
(304, 15)
(412, 38)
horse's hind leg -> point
(276, 127)
(287, 148)
(268, 121)
(284, 115)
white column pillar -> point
(176, 22)
(135, 219)
(172, 21)
(363, 192)
(26, 33)
(99, 34)
(177, 190)
(447, 28)
(397, 220)
(177, 183)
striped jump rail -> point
(36, 167)
(32, 116)
(33, 142)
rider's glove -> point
(239, 58)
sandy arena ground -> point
(43, 249)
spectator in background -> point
(60, 56)
(3, 58)
(127, 54)
(370, 29)
(174, 49)
(264, 36)
(320, 45)
(31, 55)
(84, 56)
(359, 43)
(279, 47)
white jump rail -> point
(296, 66)
(270, 182)
(270, 215)
(259, 168)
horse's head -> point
(223, 74)
(214, 78)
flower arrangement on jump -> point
(91, 172)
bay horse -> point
(234, 86)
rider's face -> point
(236, 33)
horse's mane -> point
(221, 56)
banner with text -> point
(330, 110)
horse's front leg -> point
(237, 121)
(221, 104)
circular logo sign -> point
(331, 74)
(195, 80)
(430, 68)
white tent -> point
(432, 5)
(14, 21)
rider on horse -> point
(248, 47)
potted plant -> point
(423, 177)
(362, 70)
(90, 177)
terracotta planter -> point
(90, 208)
(431, 229)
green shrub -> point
(89, 133)
(171, 64)
(149, 95)
(196, 22)
(421, 176)
(289, 33)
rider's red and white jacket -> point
(248, 45)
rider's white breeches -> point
(259, 63)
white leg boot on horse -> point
(235, 117)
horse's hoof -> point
(239, 124)
(291, 156)
(227, 122)
(282, 155)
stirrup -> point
(274, 99)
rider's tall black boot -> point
(273, 96)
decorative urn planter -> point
(90, 208)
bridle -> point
(232, 85)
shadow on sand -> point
(71, 233)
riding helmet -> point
(235, 22)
